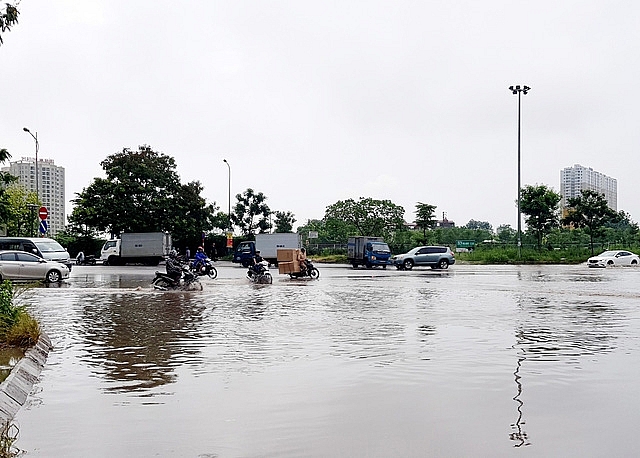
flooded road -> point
(472, 361)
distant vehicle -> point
(368, 252)
(614, 258)
(147, 248)
(43, 247)
(267, 245)
(436, 257)
(22, 266)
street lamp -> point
(229, 216)
(519, 90)
(35, 137)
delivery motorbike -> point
(310, 271)
(259, 273)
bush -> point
(17, 327)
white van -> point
(46, 248)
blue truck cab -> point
(368, 251)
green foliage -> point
(591, 212)
(425, 218)
(251, 206)
(75, 242)
(376, 218)
(284, 221)
(484, 225)
(540, 205)
(8, 18)
(17, 327)
(22, 218)
(142, 193)
(505, 233)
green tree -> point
(251, 213)
(22, 218)
(8, 18)
(376, 218)
(5, 180)
(589, 211)
(540, 205)
(142, 193)
(425, 218)
(284, 221)
(484, 225)
(505, 233)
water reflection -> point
(555, 330)
(136, 340)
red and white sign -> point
(43, 213)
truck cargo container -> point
(147, 248)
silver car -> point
(23, 266)
(436, 257)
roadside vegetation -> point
(17, 327)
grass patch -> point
(17, 327)
(330, 258)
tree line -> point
(142, 192)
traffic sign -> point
(43, 226)
(43, 213)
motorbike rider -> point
(257, 259)
(174, 269)
(302, 259)
(80, 257)
(199, 258)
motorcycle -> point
(204, 267)
(188, 282)
(310, 271)
(259, 273)
(89, 260)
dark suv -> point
(436, 257)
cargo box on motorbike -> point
(288, 267)
(287, 254)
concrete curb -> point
(17, 386)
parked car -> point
(614, 258)
(22, 266)
(436, 257)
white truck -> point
(148, 248)
(267, 245)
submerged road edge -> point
(15, 389)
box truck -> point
(368, 251)
(268, 245)
(147, 248)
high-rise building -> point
(577, 178)
(50, 184)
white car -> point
(614, 258)
(22, 266)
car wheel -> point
(53, 276)
(610, 263)
(408, 264)
(355, 265)
(634, 262)
(443, 264)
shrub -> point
(17, 327)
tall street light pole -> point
(35, 137)
(229, 215)
(519, 90)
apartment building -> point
(575, 179)
(50, 187)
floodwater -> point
(472, 361)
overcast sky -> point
(315, 102)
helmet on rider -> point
(173, 254)
(200, 248)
